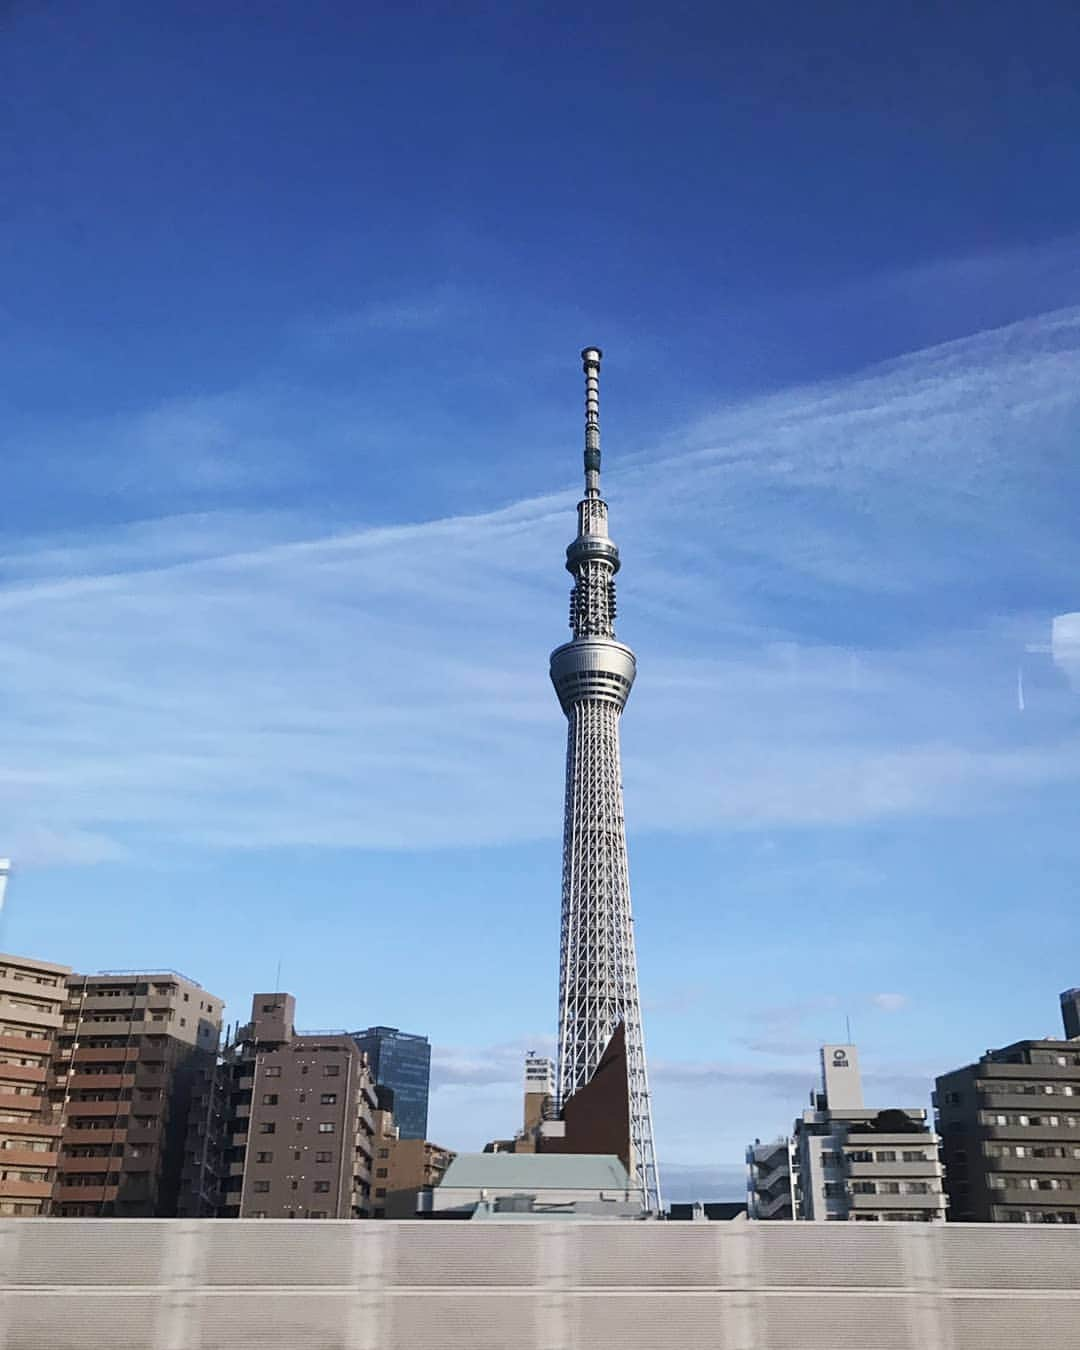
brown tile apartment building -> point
(300, 1120)
(32, 996)
(127, 1052)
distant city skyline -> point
(288, 445)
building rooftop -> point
(537, 1171)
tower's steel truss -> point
(593, 674)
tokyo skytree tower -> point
(592, 675)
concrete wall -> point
(263, 1285)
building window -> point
(296, 1155)
(269, 1099)
(267, 1127)
(328, 1099)
(324, 1157)
(380, 1191)
(834, 1190)
(331, 1070)
(260, 1187)
(326, 1127)
(886, 1155)
(294, 1185)
(317, 1214)
(264, 1157)
(272, 1071)
(322, 1188)
(300, 1126)
(914, 1155)
(384, 1153)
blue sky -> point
(290, 308)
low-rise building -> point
(405, 1170)
(536, 1183)
(32, 997)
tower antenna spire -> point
(590, 362)
(592, 675)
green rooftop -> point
(527, 1172)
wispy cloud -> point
(889, 1002)
(1065, 646)
(242, 682)
(408, 314)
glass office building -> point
(402, 1063)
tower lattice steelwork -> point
(592, 675)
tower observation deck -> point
(593, 675)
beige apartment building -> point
(32, 996)
(405, 1169)
(129, 1047)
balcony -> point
(92, 1054)
(22, 1073)
(865, 1139)
(16, 1101)
(1035, 1134)
(98, 1108)
(884, 1202)
(25, 1045)
(894, 1171)
(107, 1164)
(84, 1195)
(143, 1136)
(114, 1030)
(1023, 1197)
(36, 1017)
(1032, 1166)
(1038, 1103)
(1028, 1073)
(26, 1157)
(100, 1082)
(26, 1190)
(77, 1138)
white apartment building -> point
(847, 1161)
